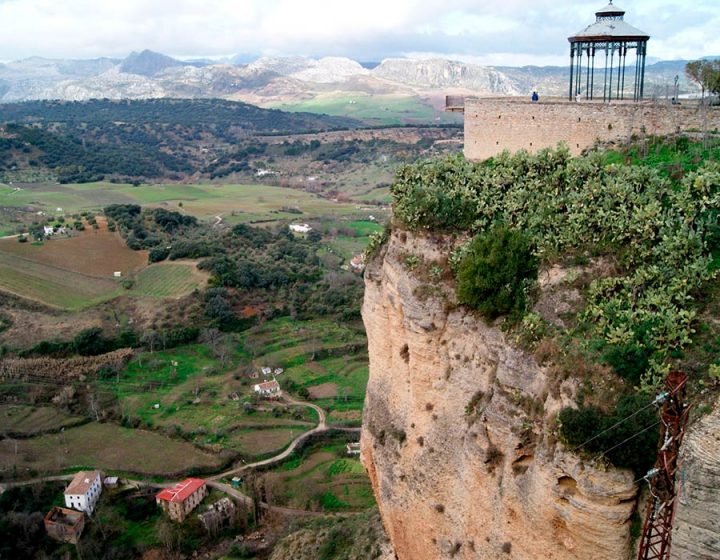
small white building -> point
(48, 231)
(83, 492)
(353, 448)
(300, 228)
(266, 371)
(357, 264)
(269, 389)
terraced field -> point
(326, 359)
(186, 391)
(28, 420)
(322, 477)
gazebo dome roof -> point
(609, 26)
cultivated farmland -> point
(322, 477)
(77, 271)
(106, 446)
(52, 285)
(235, 203)
(166, 280)
(327, 359)
(93, 252)
(28, 420)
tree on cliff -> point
(706, 73)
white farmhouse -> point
(83, 492)
(300, 228)
(270, 389)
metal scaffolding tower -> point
(657, 531)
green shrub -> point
(578, 426)
(494, 273)
(630, 361)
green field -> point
(322, 477)
(195, 400)
(105, 446)
(235, 203)
(198, 406)
(324, 358)
(376, 110)
(167, 280)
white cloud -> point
(503, 31)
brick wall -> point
(496, 124)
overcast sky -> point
(500, 32)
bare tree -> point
(150, 339)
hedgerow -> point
(660, 233)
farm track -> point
(215, 480)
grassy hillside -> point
(87, 141)
(377, 110)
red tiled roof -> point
(269, 386)
(181, 491)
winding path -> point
(215, 480)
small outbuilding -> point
(110, 481)
(64, 525)
(300, 228)
(218, 515)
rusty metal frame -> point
(657, 530)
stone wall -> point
(496, 124)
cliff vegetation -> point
(644, 219)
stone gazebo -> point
(613, 36)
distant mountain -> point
(147, 63)
(270, 80)
(441, 74)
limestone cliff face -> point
(455, 433)
(696, 533)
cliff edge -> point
(456, 435)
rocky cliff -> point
(457, 434)
(696, 533)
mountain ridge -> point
(149, 74)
